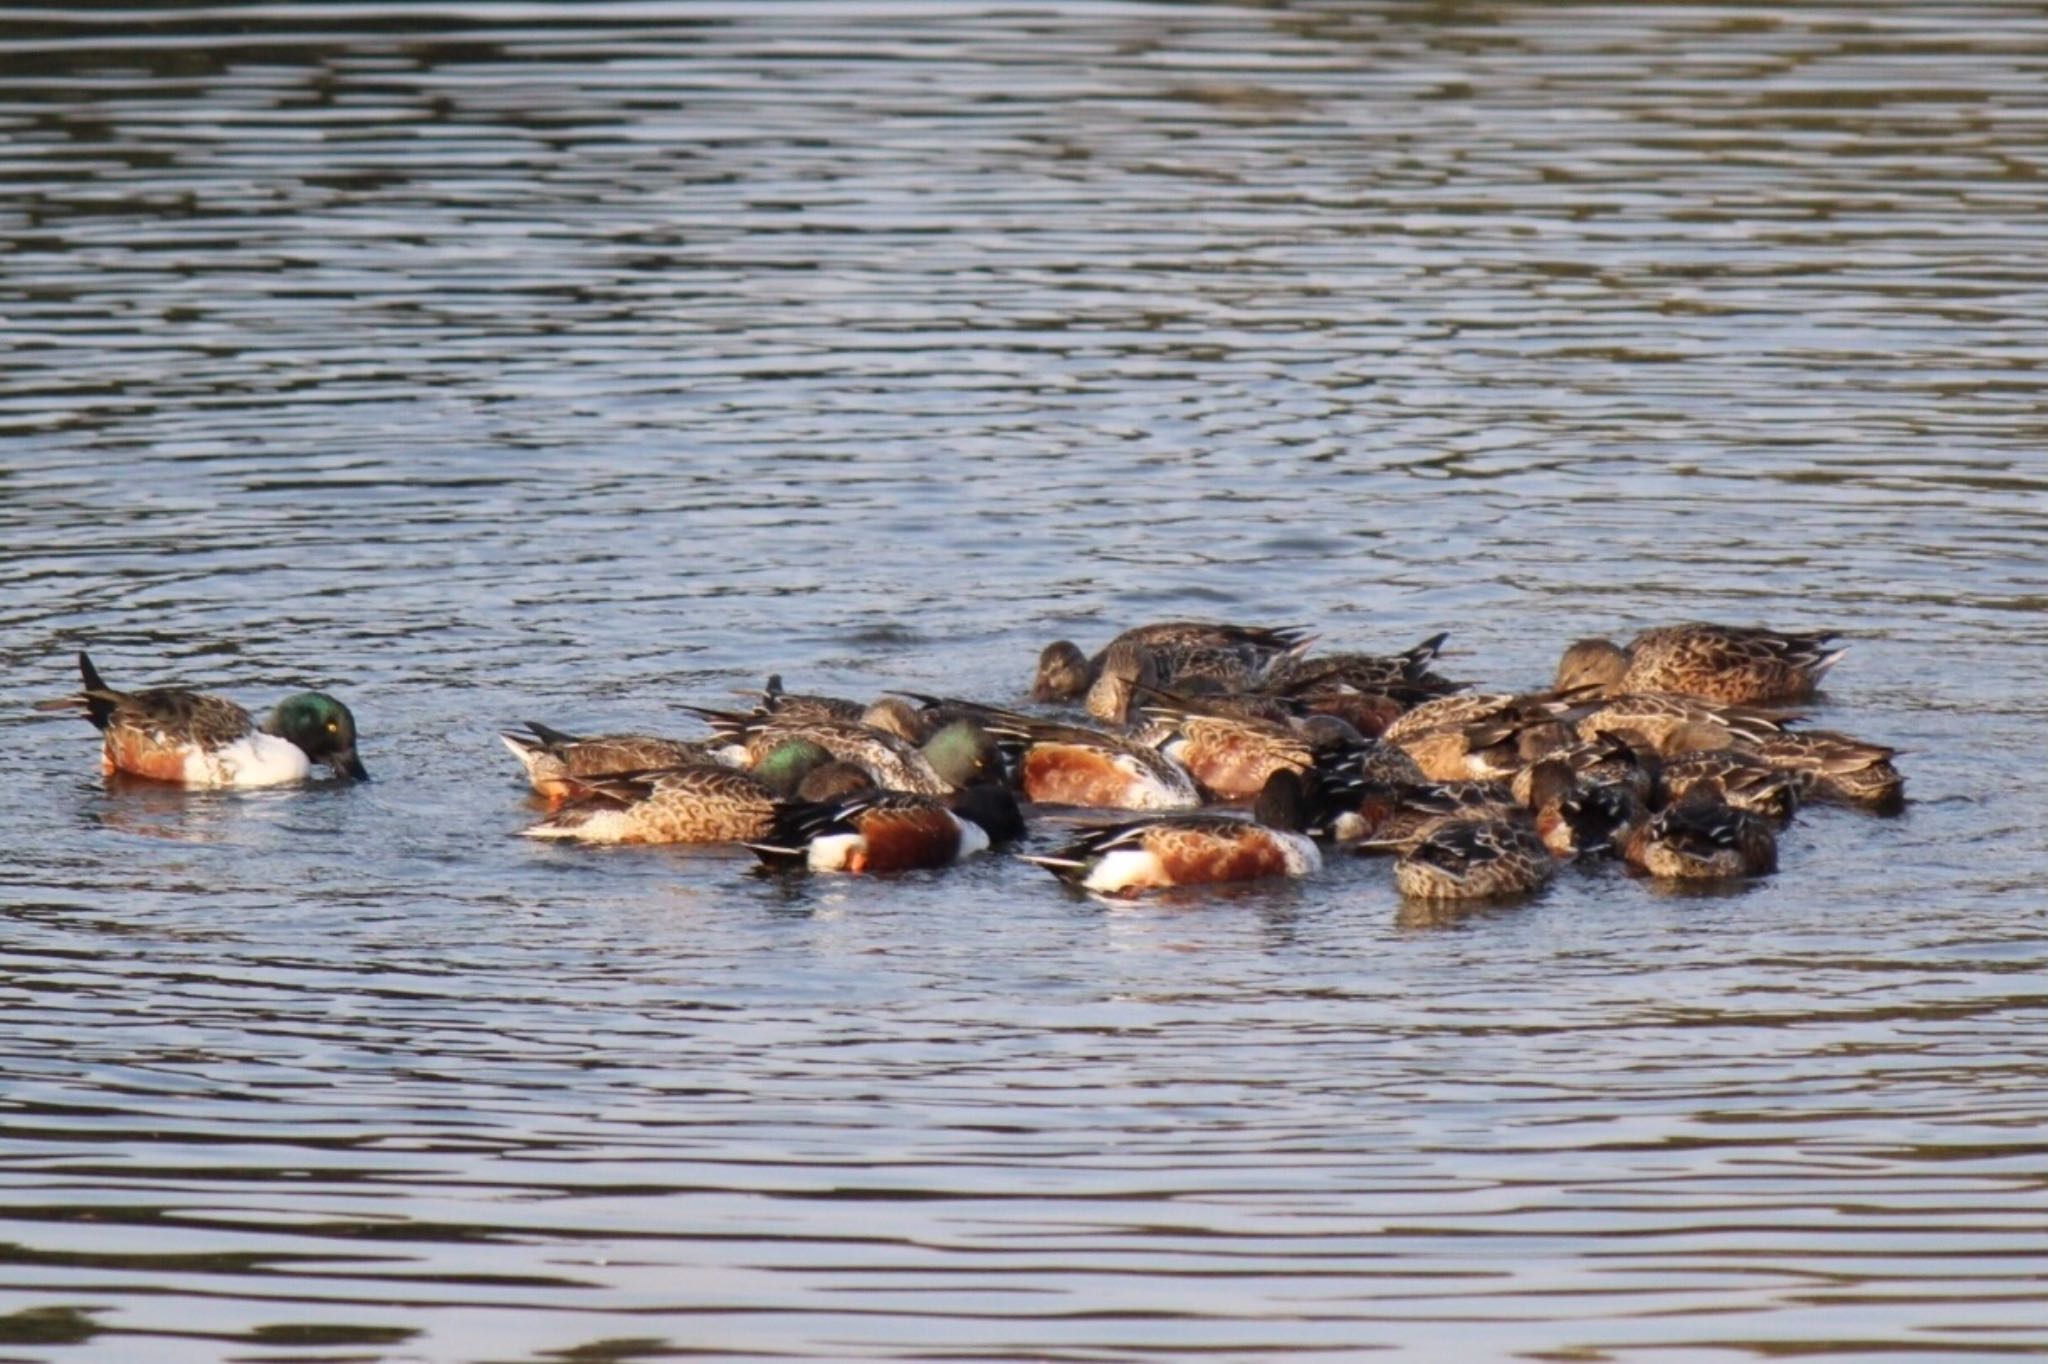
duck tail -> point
(527, 750)
(95, 698)
(1424, 654)
(775, 857)
(1069, 869)
(549, 736)
(1819, 667)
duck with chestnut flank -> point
(886, 831)
(1189, 850)
(191, 738)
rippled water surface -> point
(574, 362)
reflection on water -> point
(574, 363)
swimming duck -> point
(1475, 859)
(1232, 756)
(1833, 766)
(553, 758)
(1187, 850)
(1592, 818)
(1701, 839)
(1065, 673)
(193, 739)
(1607, 760)
(1382, 817)
(1404, 677)
(1481, 737)
(1056, 764)
(1735, 778)
(883, 831)
(1726, 663)
(1128, 667)
(894, 763)
(1654, 718)
(1375, 760)
(696, 803)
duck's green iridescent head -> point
(788, 763)
(963, 754)
(323, 729)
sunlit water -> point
(493, 362)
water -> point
(503, 361)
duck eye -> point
(334, 726)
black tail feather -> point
(95, 698)
(553, 738)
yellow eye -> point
(334, 726)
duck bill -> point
(349, 765)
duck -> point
(890, 714)
(1058, 764)
(1341, 765)
(1231, 756)
(889, 831)
(1128, 667)
(1481, 736)
(895, 764)
(1664, 721)
(1475, 859)
(553, 758)
(1592, 818)
(1608, 759)
(789, 705)
(1196, 849)
(1831, 766)
(194, 739)
(1064, 673)
(1404, 677)
(1380, 816)
(692, 803)
(1730, 664)
(1702, 839)
(1735, 778)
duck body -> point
(554, 760)
(1192, 850)
(1474, 859)
(1394, 817)
(1701, 839)
(1730, 664)
(1655, 718)
(1066, 674)
(1057, 764)
(1834, 767)
(888, 831)
(1232, 757)
(1187, 850)
(194, 739)
(1734, 778)
(692, 803)
(894, 763)
(1404, 678)
(1607, 760)
(1483, 737)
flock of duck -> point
(1672, 753)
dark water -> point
(572, 362)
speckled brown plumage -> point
(1703, 840)
(699, 803)
(1734, 778)
(1724, 663)
(1474, 859)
